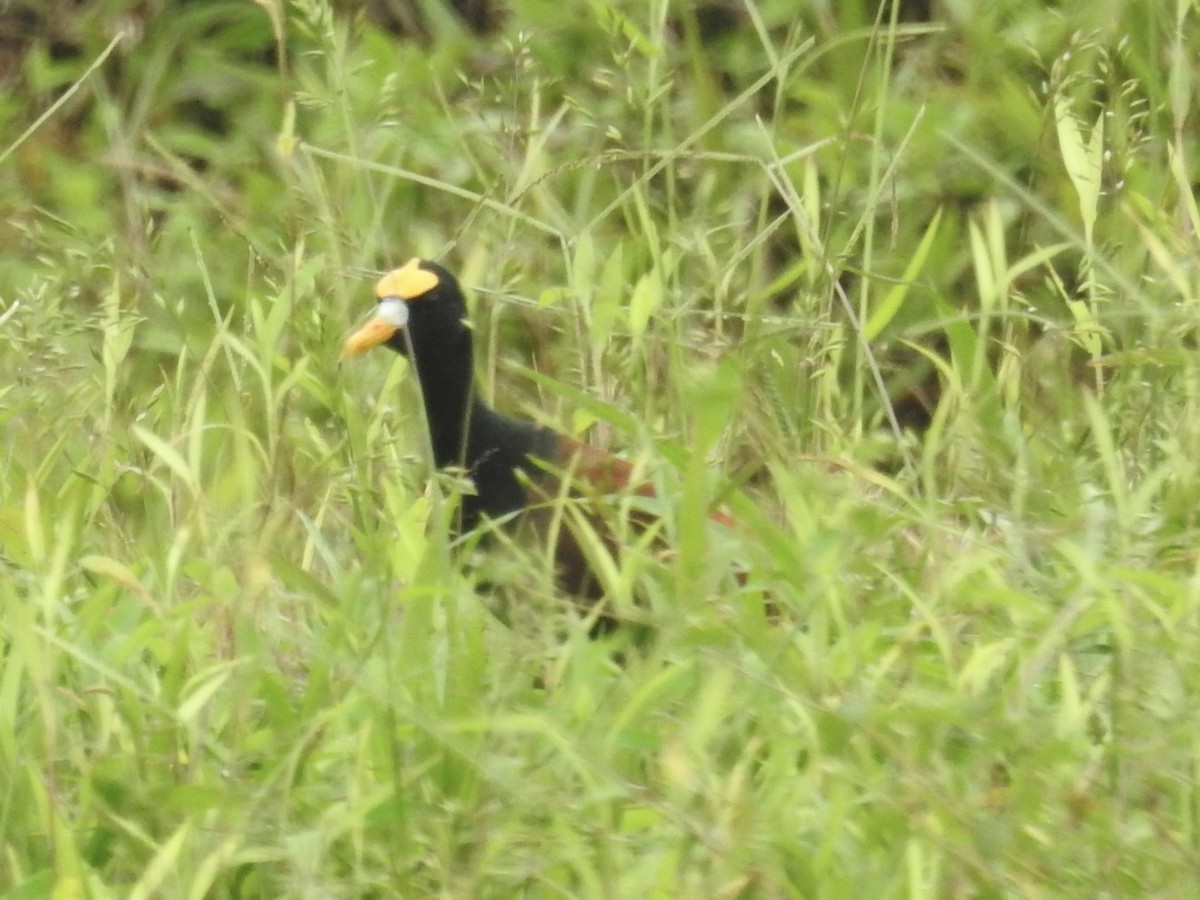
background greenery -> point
(914, 289)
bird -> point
(516, 466)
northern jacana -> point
(421, 314)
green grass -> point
(241, 657)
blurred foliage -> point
(240, 657)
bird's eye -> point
(394, 311)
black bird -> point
(514, 465)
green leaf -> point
(883, 314)
(1088, 331)
(646, 300)
(1083, 160)
(209, 685)
(170, 457)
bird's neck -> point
(464, 431)
(447, 389)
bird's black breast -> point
(502, 455)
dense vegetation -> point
(912, 289)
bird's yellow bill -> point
(390, 316)
(375, 332)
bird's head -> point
(421, 306)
